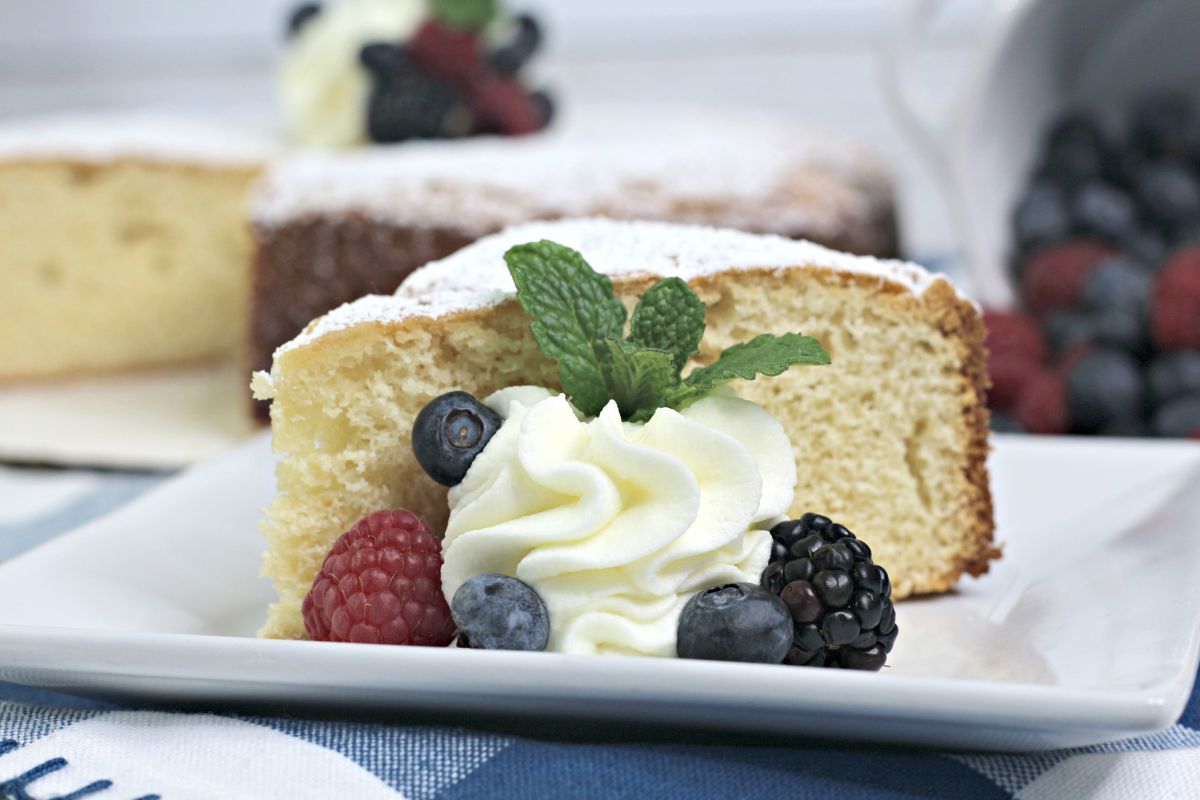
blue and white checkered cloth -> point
(63, 747)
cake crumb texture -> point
(120, 264)
(890, 439)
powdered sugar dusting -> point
(476, 277)
(745, 170)
(149, 136)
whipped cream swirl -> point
(617, 524)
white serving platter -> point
(1088, 629)
(153, 419)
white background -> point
(814, 58)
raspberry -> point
(1010, 375)
(449, 54)
(381, 584)
(1043, 406)
(1054, 276)
(1175, 319)
(503, 105)
(1012, 333)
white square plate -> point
(1087, 630)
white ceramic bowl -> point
(1043, 58)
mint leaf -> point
(574, 309)
(767, 354)
(669, 317)
(640, 379)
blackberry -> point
(839, 599)
(407, 103)
(300, 16)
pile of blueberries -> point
(1107, 261)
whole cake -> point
(890, 439)
(123, 241)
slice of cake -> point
(891, 439)
(123, 241)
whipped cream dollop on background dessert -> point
(617, 524)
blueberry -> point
(1163, 124)
(1179, 418)
(496, 612)
(1042, 216)
(1145, 250)
(1104, 387)
(449, 433)
(1121, 329)
(1173, 375)
(1064, 329)
(1128, 428)
(735, 622)
(301, 15)
(1104, 210)
(1170, 192)
(1075, 151)
(1117, 284)
(513, 55)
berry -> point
(507, 60)
(1163, 124)
(1173, 375)
(1043, 406)
(1016, 334)
(1010, 376)
(1042, 216)
(450, 433)
(1145, 250)
(381, 584)
(1170, 193)
(1175, 318)
(1068, 329)
(1122, 329)
(839, 601)
(1117, 284)
(502, 105)
(1053, 277)
(735, 622)
(406, 103)
(301, 15)
(1075, 151)
(1103, 389)
(496, 612)
(449, 53)
(1179, 418)
(1104, 210)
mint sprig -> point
(579, 321)
(574, 310)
